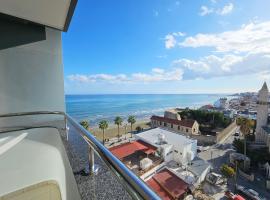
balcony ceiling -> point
(52, 13)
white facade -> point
(222, 103)
(262, 113)
(31, 77)
(173, 145)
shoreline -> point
(112, 130)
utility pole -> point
(235, 176)
(212, 159)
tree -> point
(85, 124)
(139, 129)
(103, 125)
(227, 171)
(245, 127)
(239, 145)
(131, 120)
(118, 121)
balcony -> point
(98, 173)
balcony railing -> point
(133, 184)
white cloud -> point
(226, 9)
(180, 34)
(206, 67)
(156, 75)
(97, 77)
(205, 10)
(228, 65)
(158, 70)
(264, 75)
(170, 41)
(253, 37)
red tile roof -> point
(126, 149)
(185, 122)
(158, 189)
(167, 185)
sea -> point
(95, 108)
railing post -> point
(66, 127)
(92, 167)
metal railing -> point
(133, 184)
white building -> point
(222, 103)
(171, 145)
(262, 128)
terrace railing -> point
(133, 184)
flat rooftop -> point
(152, 136)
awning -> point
(52, 13)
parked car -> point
(250, 193)
(232, 196)
(215, 179)
(237, 134)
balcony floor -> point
(104, 185)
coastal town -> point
(134, 100)
(218, 151)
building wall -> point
(180, 129)
(172, 115)
(31, 76)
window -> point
(160, 123)
(178, 127)
(165, 124)
(187, 130)
(171, 125)
(194, 130)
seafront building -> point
(172, 120)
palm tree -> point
(85, 124)
(118, 121)
(245, 127)
(103, 125)
(131, 120)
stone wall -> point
(224, 133)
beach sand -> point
(112, 131)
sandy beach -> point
(112, 130)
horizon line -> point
(156, 93)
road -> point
(218, 154)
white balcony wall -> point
(31, 76)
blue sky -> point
(166, 46)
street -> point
(218, 154)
